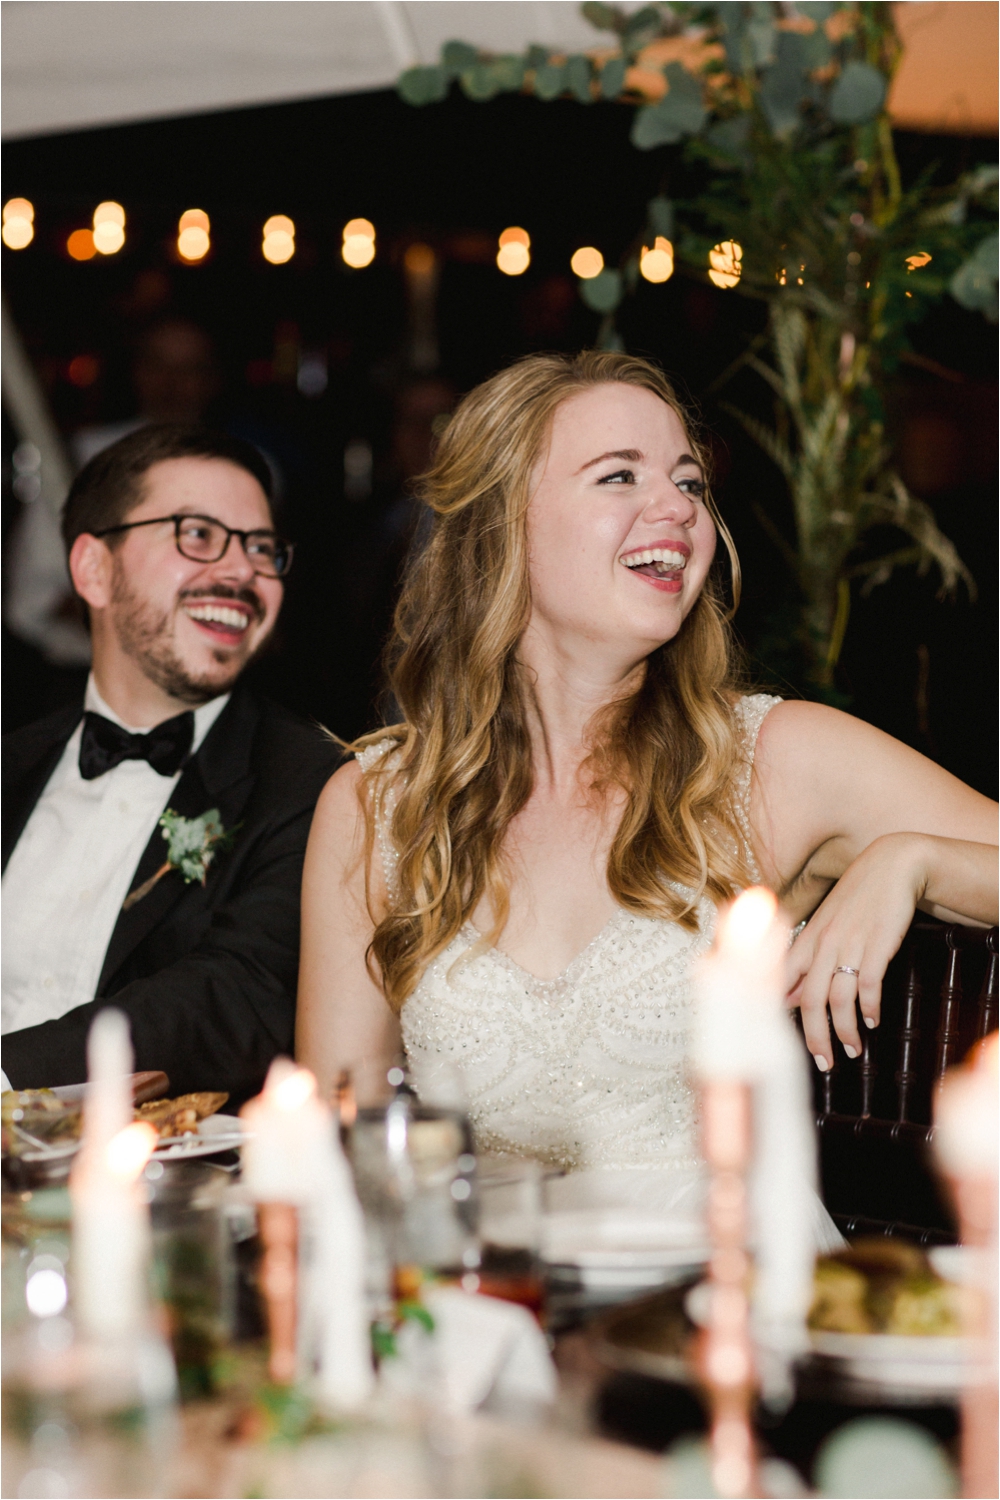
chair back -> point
(873, 1113)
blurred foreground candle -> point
(313, 1271)
(757, 1140)
(967, 1121)
(111, 1236)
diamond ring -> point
(846, 969)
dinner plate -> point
(215, 1133)
(913, 1362)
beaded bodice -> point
(585, 1070)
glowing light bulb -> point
(358, 251)
(587, 262)
(657, 264)
(18, 223)
(724, 263)
(358, 248)
(109, 228)
(81, 244)
(514, 254)
(279, 239)
(193, 241)
(914, 262)
(109, 213)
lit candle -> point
(111, 1237)
(293, 1160)
(756, 1125)
(966, 1112)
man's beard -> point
(144, 635)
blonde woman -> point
(516, 878)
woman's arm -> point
(343, 1020)
(856, 831)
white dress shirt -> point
(71, 870)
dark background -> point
(454, 175)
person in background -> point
(172, 548)
(175, 378)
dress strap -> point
(383, 795)
(751, 711)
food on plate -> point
(33, 1117)
(884, 1286)
(181, 1116)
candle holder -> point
(725, 1355)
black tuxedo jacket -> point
(206, 974)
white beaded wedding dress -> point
(587, 1072)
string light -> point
(657, 264)
(358, 249)
(514, 254)
(914, 262)
(109, 228)
(193, 239)
(81, 244)
(279, 239)
(724, 263)
(18, 223)
(587, 263)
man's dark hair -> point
(110, 485)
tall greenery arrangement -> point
(779, 113)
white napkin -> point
(482, 1350)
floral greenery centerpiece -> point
(779, 112)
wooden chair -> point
(874, 1112)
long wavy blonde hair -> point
(463, 768)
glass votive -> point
(510, 1217)
(193, 1267)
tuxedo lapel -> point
(31, 755)
(219, 775)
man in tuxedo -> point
(172, 548)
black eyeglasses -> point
(202, 539)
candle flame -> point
(128, 1152)
(748, 921)
(293, 1090)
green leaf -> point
(578, 78)
(458, 57)
(613, 77)
(550, 80)
(816, 10)
(602, 293)
(681, 112)
(536, 56)
(661, 216)
(783, 88)
(509, 70)
(641, 28)
(857, 94)
(423, 85)
(974, 284)
(479, 83)
(602, 17)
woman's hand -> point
(844, 950)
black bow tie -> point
(104, 745)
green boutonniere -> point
(192, 844)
